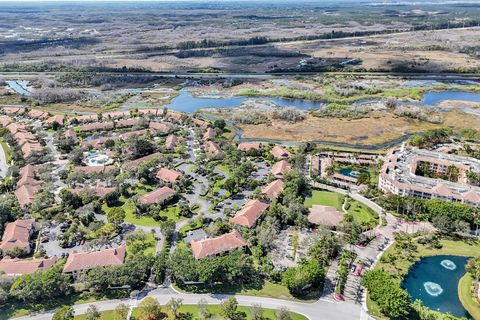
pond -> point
(351, 172)
(186, 102)
(434, 281)
(18, 86)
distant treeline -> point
(54, 67)
(13, 46)
(259, 40)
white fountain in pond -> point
(432, 288)
(448, 264)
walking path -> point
(3, 163)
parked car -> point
(44, 239)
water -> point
(433, 97)
(18, 87)
(434, 281)
(351, 173)
(185, 102)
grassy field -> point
(129, 207)
(215, 312)
(466, 296)
(106, 315)
(22, 309)
(325, 198)
(361, 213)
(400, 266)
(150, 243)
(261, 289)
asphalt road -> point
(319, 310)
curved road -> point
(320, 310)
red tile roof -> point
(99, 191)
(273, 189)
(159, 126)
(17, 234)
(135, 163)
(280, 153)
(171, 142)
(168, 175)
(250, 213)
(70, 134)
(86, 118)
(5, 121)
(96, 126)
(246, 146)
(127, 123)
(78, 261)
(214, 246)
(13, 110)
(56, 118)
(279, 168)
(209, 134)
(158, 196)
(95, 169)
(212, 149)
(15, 267)
(37, 114)
(26, 194)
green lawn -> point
(466, 296)
(261, 289)
(325, 198)
(129, 207)
(225, 170)
(106, 315)
(361, 213)
(20, 309)
(215, 311)
(150, 244)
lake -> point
(186, 102)
(434, 281)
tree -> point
(202, 309)
(116, 216)
(229, 310)
(219, 123)
(70, 199)
(307, 274)
(92, 313)
(120, 312)
(150, 309)
(41, 285)
(473, 266)
(173, 305)
(76, 156)
(257, 312)
(283, 314)
(392, 300)
(111, 198)
(230, 185)
(64, 313)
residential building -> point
(218, 245)
(80, 261)
(250, 213)
(17, 235)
